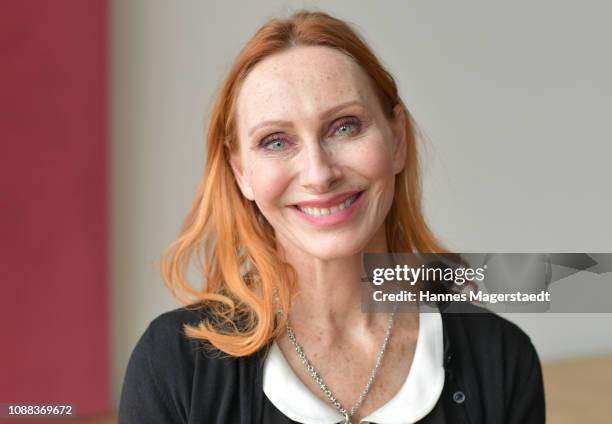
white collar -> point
(415, 399)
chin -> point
(335, 249)
(361, 236)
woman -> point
(312, 161)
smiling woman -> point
(334, 147)
(312, 161)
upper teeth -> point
(328, 211)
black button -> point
(459, 397)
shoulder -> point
(164, 350)
(170, 325)
(481, 326)
(164, 367)
(165, 338)
(169, 349)
(490, 344)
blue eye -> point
(344, 126)
(275, 144)
(349, 125)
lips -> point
(328, 206)
(329, 202)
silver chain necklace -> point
(319, 380)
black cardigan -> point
(493, 376)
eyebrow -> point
(288, 123)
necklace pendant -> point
(315, 375)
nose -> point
(319, 172)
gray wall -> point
(513, 100)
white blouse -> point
(415, 399)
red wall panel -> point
(53, 204)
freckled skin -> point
(346, 364)
(297, 86)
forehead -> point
(300, 82)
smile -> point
(331, 210)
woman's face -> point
(316, 153)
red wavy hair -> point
(228, 239)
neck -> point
(329, 289)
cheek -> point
(269, 181)
(372, 159)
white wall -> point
(513, 99)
